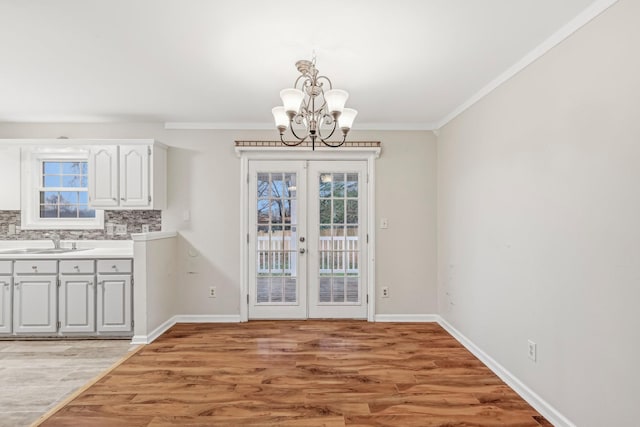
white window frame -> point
(31, 174)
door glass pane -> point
(339, 273)
(276, 245)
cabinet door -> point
(134, 176)
(35, 304)
(103, 177)
(77, 302)
(114, 303)
(6, 303)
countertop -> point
(90, 249)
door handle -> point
(302, 250)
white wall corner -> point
(539, 404)
(148, 339)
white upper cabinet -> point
(9, 177)
(103, 176)
(128, 176)
(134, 176)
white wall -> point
(155, 278)
(204, 178)
(539, 222)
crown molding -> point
(556, 38)
(270, 126)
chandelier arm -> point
(324, 139)
(296, 135)
(339, 143)
(290, 143)
(328, 81)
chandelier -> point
(315, 113)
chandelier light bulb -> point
(291, 99)
(280, 117)
(345, 121)
(336, 98)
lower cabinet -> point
(6, 304)
(66, 297)
(77, 303)
(35, 306)
(114, 303)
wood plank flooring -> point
(300, 373)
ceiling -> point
(407, 63)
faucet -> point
(55, 238)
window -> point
(55, 190)
(64, 192)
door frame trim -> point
(368, 154)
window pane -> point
(338, 211)
(71, 168)
(325, 211)
(277, 185)
(263, 185)
(49, 197)
(276, 211)
(85, 211)
(83, 197)
(325, 185)
(68, 197)
(51, 167)
(338, 185)
(48, 211)
(263, 211)
(84, 182)
(51, 181)
(352, 185)
(68, 211)
(352, 211)
(290, 181)
(325, 289)
(71, 181)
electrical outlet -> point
(121, 228)
(532, 350)
(145, 228)
(109, 227)
(212, 292)
(385, 292)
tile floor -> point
(36, 375)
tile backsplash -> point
(134, 220)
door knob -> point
(302, 239)
(302, 250)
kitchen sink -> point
(23, 251)
(60, 250)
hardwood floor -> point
(300, 373)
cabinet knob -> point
(115, 199)
(122, 198)
(77, 268)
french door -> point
(307, 239)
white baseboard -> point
(539, 404)
(406, 318)
(207, 318)
(183, 318)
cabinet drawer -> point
(6, 267)
(85, 266)
(114, 266)
(36, 267)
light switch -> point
(384, 223)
